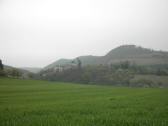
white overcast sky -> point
(34, 33)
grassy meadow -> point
(43, 103)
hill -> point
(131, 53)
(137, 55)
(32, 69)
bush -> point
(142, 83)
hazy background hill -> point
(133, 54)
(32, 69)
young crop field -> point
(43, 103)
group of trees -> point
(8, 71)
(114, 74)
(12, 72)
(100, 74)
(122, 73)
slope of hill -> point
(90, 60)
(58, 62)
(131, 53)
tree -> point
(79, 63)
(15, 73)
(1, 65)
(2, 73)
(125, 65)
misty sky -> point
(34, 33)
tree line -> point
(113, 74)
(121, 74)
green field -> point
(42, 103)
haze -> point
(34, 33)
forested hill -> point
(131, 53)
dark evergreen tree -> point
(79, 63)
(1, 65)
